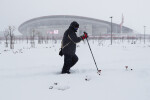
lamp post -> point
(111, 29)
(144, 34)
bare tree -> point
(27, 38)
(39, 37)
(11, 35)
(32, 37)
(46, 38)
(6, 35)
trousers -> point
(69, 61)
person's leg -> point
(74, 60)
(67, 63)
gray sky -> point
(136, 15)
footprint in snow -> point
(58, 86)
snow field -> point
(28, 73)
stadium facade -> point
(56, 25)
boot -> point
(65, 72)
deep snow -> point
(34, 73)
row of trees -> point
(36, 35)
(10, 38)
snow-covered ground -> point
(34, 73)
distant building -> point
(56, 25)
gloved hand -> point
(60, 52)
(84, 36)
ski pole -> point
(98, 71)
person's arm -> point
(73, 37)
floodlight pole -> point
(111, 29)
(144, 34)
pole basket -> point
(126, 67)
(99, 72)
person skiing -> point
(68, 46)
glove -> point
(84, 36)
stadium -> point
(55, 25)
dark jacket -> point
(69, 41)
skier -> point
(68, 46)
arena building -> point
(56, 25)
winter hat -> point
(74, 24)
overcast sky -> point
(136, 12)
